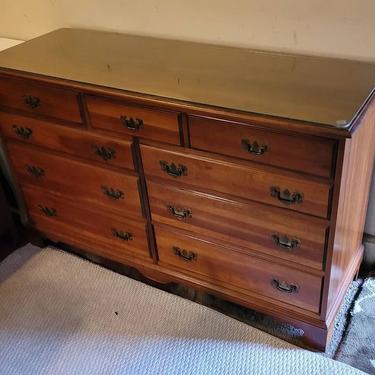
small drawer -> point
(124, 118)
(258, 183)
(49, 212)
(29, 96)
(232, 269)
(84, 183)
(311, 155)
(291, 236)
(79, 143)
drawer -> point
(311, 155)
(288, 235)
(85, 183)
(232, 269)
(47, 210)
(123, 118)
(259, 183)
(29, 96)
(78, 143)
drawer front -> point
(84, 183)
(50, 211)
(238, 270)
(267, 185)
(288, 235)
(78, 143)
(132, 120)
(26, 95)
(307, 154)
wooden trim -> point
(184, 130)
(333, 215)
(144, 199)
(264, 121)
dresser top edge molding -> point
(321, 92)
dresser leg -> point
(315, 338)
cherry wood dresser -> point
(242, 173)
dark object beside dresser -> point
(6, 220)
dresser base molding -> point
(351, 274)
(315, 334)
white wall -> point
(328, 27)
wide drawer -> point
(79, 143)
(237, 270)
(123, 118)
(85, 183)
(259, 183)
(29, 96)
(307, 154)
(47, 210)
(288, 235)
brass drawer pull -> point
(185, 255)
(32, 101)
(50, 212)
(123, 236)
(172, 169)
(106, 153)
(113, 194)
(131, 123)
(286, 196)
(283, 286)
(24, 133)
(286, 243)
(35, 171)
(253, 148)
(179, 213)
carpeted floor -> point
(358, 344)
(284, 331)
(60, 314)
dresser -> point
(242, 173)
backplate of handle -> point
(179, 213)
(284, 286)
(22, 132)
(286, 196)
(35, 171)
(106, 153)
(50, 212)
(31, 101)
(131, 123)
(123, 236)
(112, 193)
(172, 169)
(186, 255)
(253, 147)
(286, 243)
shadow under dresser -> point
(242, 173)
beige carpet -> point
(60, 314)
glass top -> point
(318, 90)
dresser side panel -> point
(353, 199)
